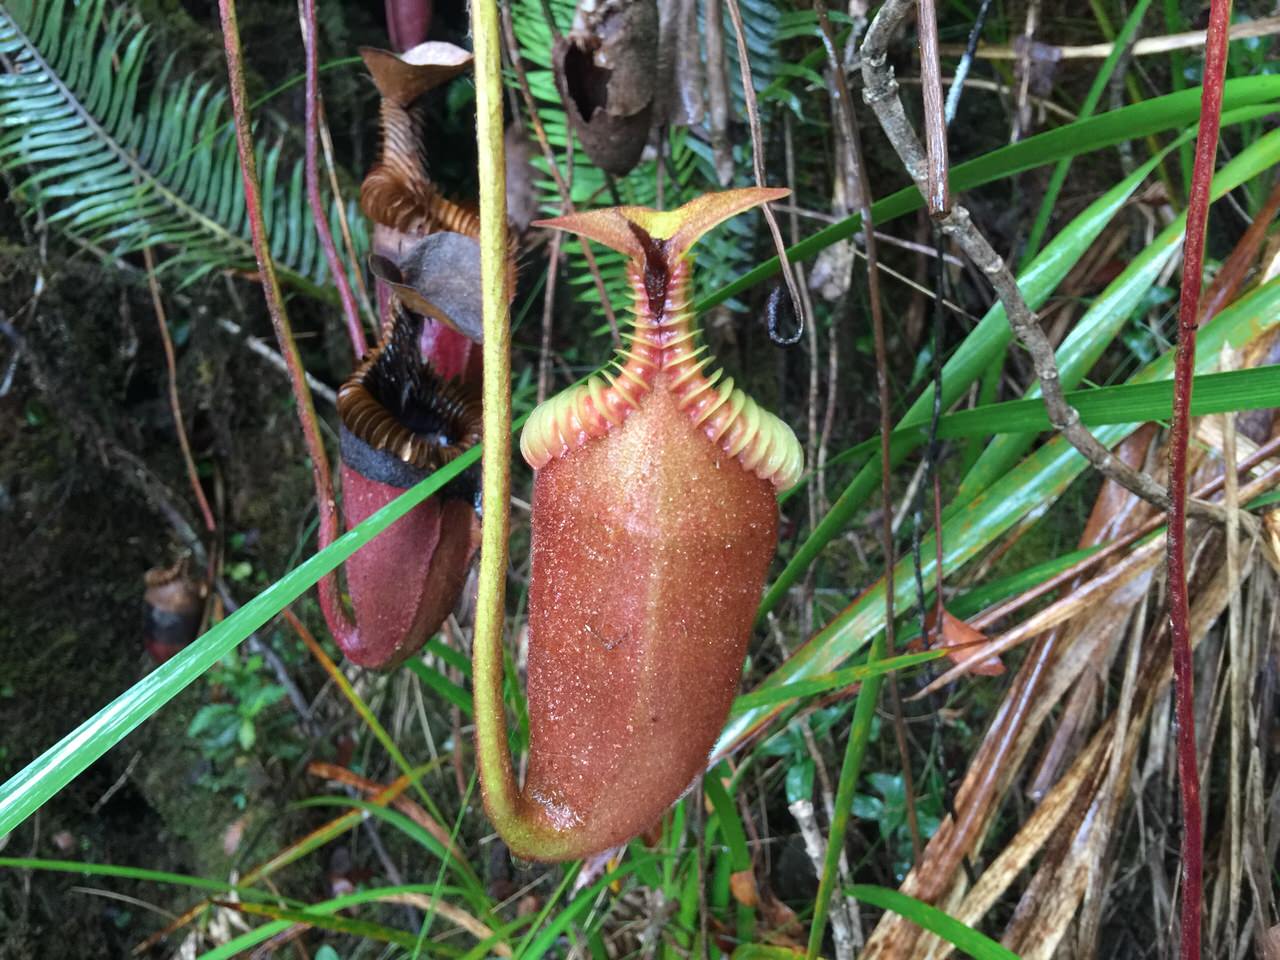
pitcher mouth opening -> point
(399, 420)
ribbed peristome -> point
(663, 352)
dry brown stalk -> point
(540, 133)
(175, 405)
(1265, 27)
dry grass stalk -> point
(1082, 810)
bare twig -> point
(339, 623)
(307, 20)
(175, 405)
(318, 388)
(881, 92)
(1246, 29)
(938, 197)
(1022, 109)
(330, 169)
(548, 309)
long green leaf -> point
(237, 946)
(977, 945)
(1232, 391)
(27, 790)
(441, 685)
(1172, 112)
(1106, 316)
(992, 334)
(864, 711)
(1029, 487)
(365, 929)
(846, 677)
(133, 873)
(964, 366)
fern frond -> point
(121, 175)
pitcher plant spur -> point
(655, 518)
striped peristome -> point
(665, 347)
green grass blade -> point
(85, 869)
(847, 676)
(962, 937)
(864, 712)
(1175, 111)
(964, 366)
(350, 926)
(1049, 202)
(1232, 391)
(549, 930)
(1105, 318)
(989, 338)
(31, 787)
(441, 685)
(1031, 485)
(459, 865)
(735, 839)
(257, 935)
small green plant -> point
(887, 808)
(240, 725)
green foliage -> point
(229, 729)
(886, 806)
(122, 157)
(1003, 490)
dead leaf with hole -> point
(605, 71)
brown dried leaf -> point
(742, 884)
(964, 638)
(438, 277)
(782, 926)
(1271, 943)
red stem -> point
(325, 504)
(408, 22)
(359, 346)
(1188, 315)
